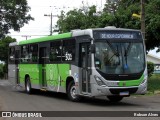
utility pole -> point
(143, 18)
(26, 36)
(51, 16)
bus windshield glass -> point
(119, 57)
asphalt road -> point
(12, 99)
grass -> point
(154, 83)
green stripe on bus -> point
(129, 83)
(48, 38)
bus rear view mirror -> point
(93, 48)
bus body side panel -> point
(52, 76)
(77, 75)
(33, 71)
(56, 75)
(12, 73)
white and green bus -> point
(92, 62)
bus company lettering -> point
(146, 114)
(15, 114)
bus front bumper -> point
(122, 91)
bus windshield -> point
(119, 57)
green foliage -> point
(123, 18)
(4, 49)
(153, 83)
(1, 71)
(153, 24)
(116, 13)
(150, 68)
(78, 19)
(13, 15)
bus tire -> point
(71, 90)
(28, 88)
(115, 98)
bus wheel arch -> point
(70, 89)
(28, 87)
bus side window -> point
(11, 54)
(25, 54)
(68, 53)
(33, 54)
(55, 51)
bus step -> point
(43, 89)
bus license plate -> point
(124, 93)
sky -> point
(41, 24)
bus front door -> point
(42, 62)
(85, 67)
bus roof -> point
(73, 33)
(48, 38)
(118, 29)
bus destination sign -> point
(114, 35)
(117, 35)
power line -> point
(27, 35)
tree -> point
(122, 18)
(150, 68)
(153, 24)
(111, 6)
(13, 15)
(78, 19)
(1, 71)
(4, 48)
(118, 14)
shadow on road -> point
(103, 101)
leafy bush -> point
(150, 68)
(153, 83)
(1, 71)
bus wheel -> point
(115, 98)
(71, 92)
(28, 88)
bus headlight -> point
(99, 81)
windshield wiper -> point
(112, 48)
(127, 50)
(126, 54)
(115, 52)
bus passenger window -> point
(25, 54)
(33, 54)
(55, 51)
(68, 53)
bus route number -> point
(68, 56)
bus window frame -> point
(68, 45)
(61, 61)
(31, 60)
